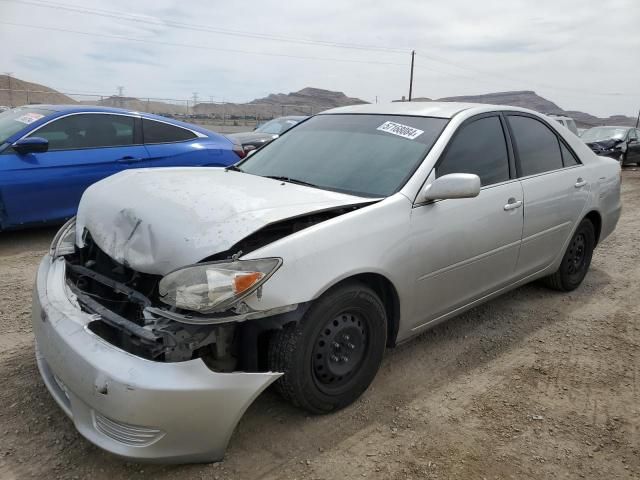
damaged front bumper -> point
(133, 407)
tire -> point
(576, 259)
(333, 353)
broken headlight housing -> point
(64, 242)
(213, 287)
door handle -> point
(580, 183)
(512, 204)
(128, 159)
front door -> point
(633, 146)
(464, 249)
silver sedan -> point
(178, 295)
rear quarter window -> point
(160, 132)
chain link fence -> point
(222, 116)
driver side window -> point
(88, 131)
(478, 147)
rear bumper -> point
(132, 407)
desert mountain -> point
(533, 101)
(303, 102)
(307, 101)
(14, 91)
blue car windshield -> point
(14, 120)
(366, 155)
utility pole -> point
(9, 74)
(120, 94)
(413, 56)
(376, 98)
(195, 101)
(638, 119)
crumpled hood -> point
(157, 220)
(604, 144)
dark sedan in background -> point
(620, 143)
(266, 132)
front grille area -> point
(125, 433)
(120, 296)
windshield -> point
(368, 155)
(277, 126)
(14, 120)
(597, 134)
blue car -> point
(49, 155)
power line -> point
(200, 47)
(203, 28)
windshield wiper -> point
(292, 180)
(234, 168)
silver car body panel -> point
(440, 257)
(135, 408)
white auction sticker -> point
(28, 118)
(404, 131)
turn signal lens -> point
(244, 281)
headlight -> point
(64, 242)
(210, 287)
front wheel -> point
(576, 260)
(332, 354)
(622, 159)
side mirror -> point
(31, 145)
(453, 185)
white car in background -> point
(566, 122)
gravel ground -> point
(535, 384)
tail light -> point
(238, 150)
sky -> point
(580, 54)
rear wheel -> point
(332, 354)
(576, 260)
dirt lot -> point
(535, 384)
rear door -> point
(83, 148)
(555, 190)
(466, 248)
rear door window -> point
(478, 147)
(88, 131)
(537, 146)
(160, 132)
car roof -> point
(422, 109)
(65, 109)
(292, 117)
(612, 126)
(79, 108)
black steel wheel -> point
(339, 351)
(332, 354)
(576, 260)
